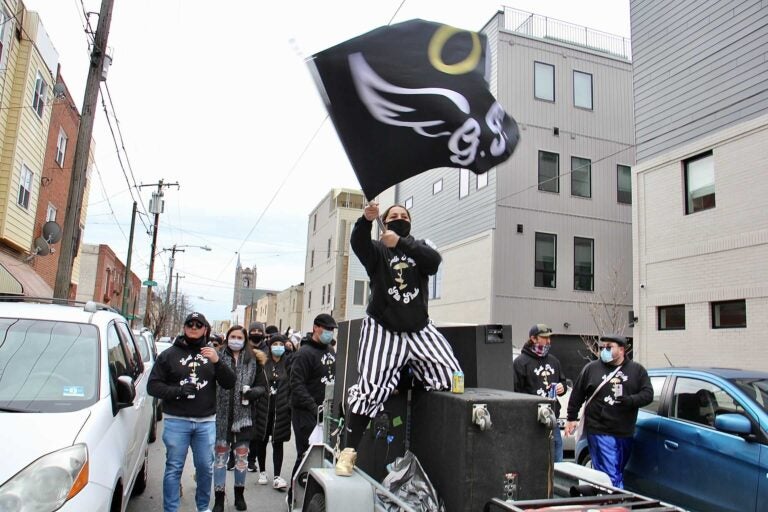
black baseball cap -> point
(196, 316)
(619, 340)
(540, 330)
(325, 321)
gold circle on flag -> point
(436, 44)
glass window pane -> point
(437, 186)
(546, 260)
(464, 183)
(482, 180)
(583, 264)
(544, 81)
(658, 385)
(700, 183)
(624, 184)
(549, 172)
(581, 177)
(729, 314)
(582, 90)
(671, 317)
(698, 401)
(359, 293)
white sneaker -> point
(262, 478)
(279, 484)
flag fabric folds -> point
(411, 97)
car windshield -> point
(756, 389)
(47, 366)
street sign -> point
(149, 283)
(130, 317)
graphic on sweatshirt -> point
(329, 361)
(403, 291)
(544, 372)
(617, 387)
(193, 362)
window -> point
(322, 296)
(482, 180)
(582, 90)
(312, 259)
(698, 401)
(358, 296)
(731, 313)
(328, 300)
(657, 382)
(436, 284)
(437, 186)
(581, 177)
(624, 184)
(544, 81)
(329, 249)
(118, 363)
(549, 172)
(38, 99)
(408, 203)
(309, 299)
(699, 183)
(134, 355)
(464, 183)
(671, 318)
(583, 264)
(546, 260)
(25, 186)
(246, 282)
(61, 147)
(314, 222)
(50, 214)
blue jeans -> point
(179, 436)
(220, 463)
(610, 455)
(558, 438)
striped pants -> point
(384, 353)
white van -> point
(74, 410)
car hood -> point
(29, 436)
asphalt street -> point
(262, 498)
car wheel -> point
(586, 459)
(153, 428)
(317, 503)
(141, 479)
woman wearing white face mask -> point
(234, 414)
(273, 413)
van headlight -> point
(46, 484)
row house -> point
(102, 279)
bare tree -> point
(608, 309)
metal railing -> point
(543, 27)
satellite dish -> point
(51, 232)
(42, 248)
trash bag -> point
(408, 481)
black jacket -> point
(604, 414)
(534, 375)
(183, 362)
(275, 380)
(313, 366)
(399, 278)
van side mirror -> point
(126, 391)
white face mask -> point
(236, 344)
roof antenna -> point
(668, 361)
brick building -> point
(102, 279)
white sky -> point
(215, 96)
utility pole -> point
(71, 229)
(156, 206)
(127, 278)
(173, 250)
(176, 315)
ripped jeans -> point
(221, 451)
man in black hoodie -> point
(185, 377)
(616, 387)
(537, 372)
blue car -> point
(702, 444)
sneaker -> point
(346, 463)
(252, 467)
(279, 484)
(262, 478)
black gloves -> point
(189, 388)
(254, 393)
(623, 401)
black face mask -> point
(256, 338)
(400, 226)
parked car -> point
(146, 342)
(74, 410)
(702, 443)
(162, 345)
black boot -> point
(218, 505)
(240, 499)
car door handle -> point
(670, 445)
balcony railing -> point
(542, 27)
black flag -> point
(411, 97)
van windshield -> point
(48, 366)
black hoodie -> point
(177, 365)
(534, 374)
(399, 278)
(313, 366)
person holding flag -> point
(397, 330)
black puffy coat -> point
(276, 380)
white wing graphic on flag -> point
(369, 85)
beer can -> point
(457, 385)
(245, 400)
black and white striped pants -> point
(383, 353)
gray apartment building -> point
(700, 219)
(547, 233)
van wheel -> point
(317, 503)
(141, 479)
(153, 428)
